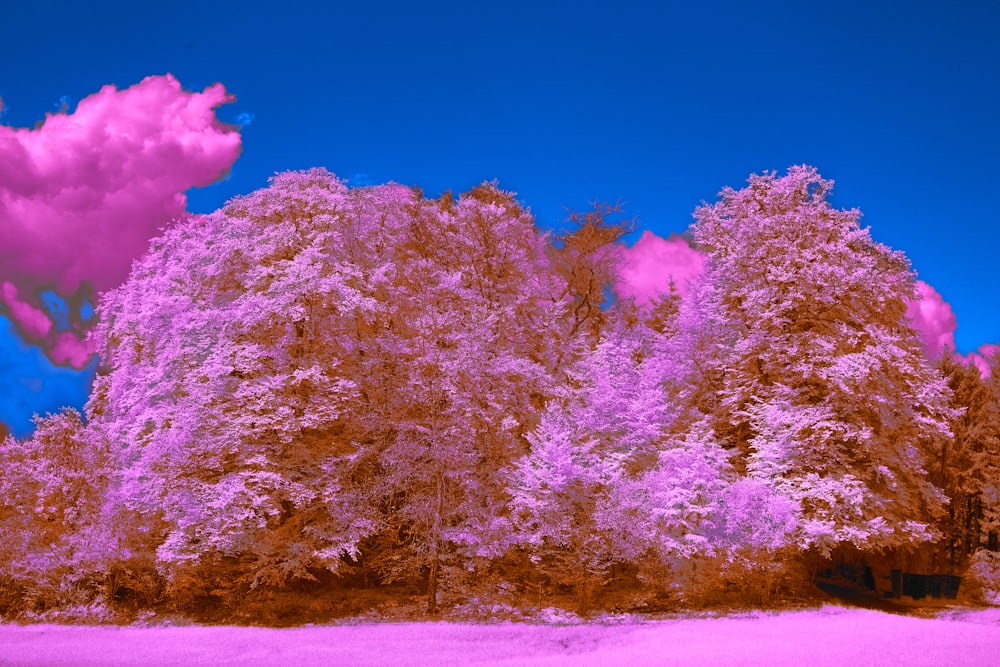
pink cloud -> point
(34, 322)
(646, 269)
(982, 358)
(69, 348)
(82, 194)
(931, 316)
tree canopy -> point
(319, 383)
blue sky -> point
(658, 104)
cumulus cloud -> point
(982, 358)
(931, 316)
(646, 269)
(82, 194)
(34, 322)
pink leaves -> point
(819, 366)
(316, 372)
(757, 518)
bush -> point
(209, 591)
(740, 580)
(95, 612)
(12, 594)
(477, 610)
(134, 584)
(984, 571)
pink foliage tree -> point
(823, 392)
(312, 367)
(224, 383)
(600, 485)
(453, 362)
(52, 490)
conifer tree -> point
(968, 468)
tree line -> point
(323, 388)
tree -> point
(223, 385)
(584, 257)
(599, 485)
(454, 364)
(986, 461)
(314, 373)
(52, 488)
(967, 468)
(823, 393)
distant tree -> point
(599, 486)
(968, 467)
(52, 487)
(815, 382)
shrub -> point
(984, 571)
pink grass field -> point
(827, 636)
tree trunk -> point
(585, 594)
(432, 582)
(435, 555)
(942, 471)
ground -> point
(818, 637)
